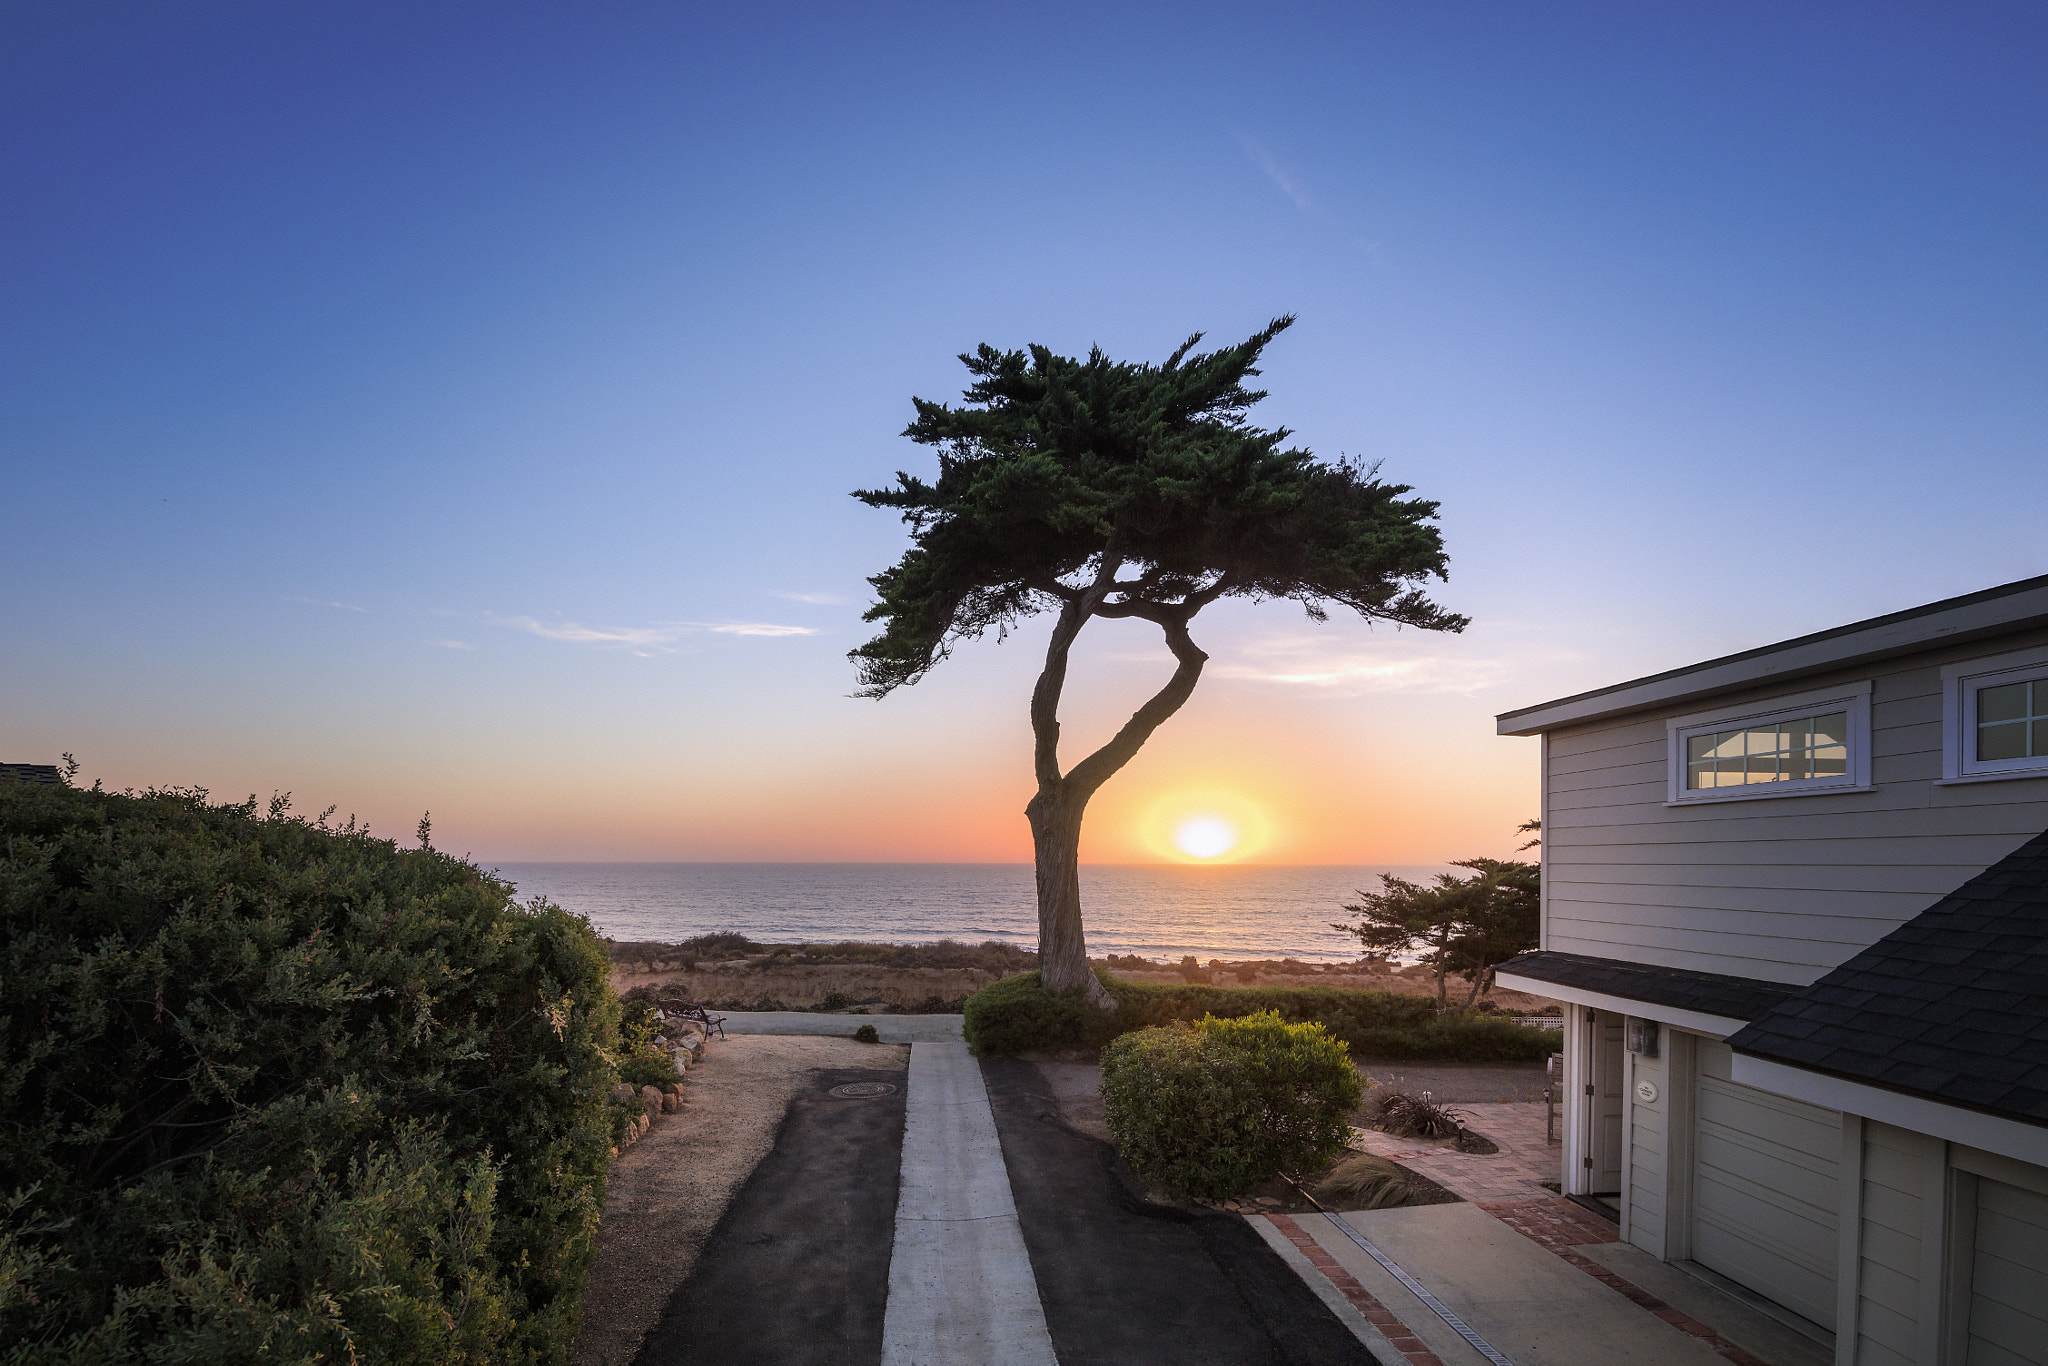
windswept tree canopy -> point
(1128, 489)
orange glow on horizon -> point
(1213, 825)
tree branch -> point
(1079, 605)
(1095, 770)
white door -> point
(1764, 1189)
(1605, 1104)
(2008, 1277)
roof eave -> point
(1953, 621)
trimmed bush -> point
(866, 1034)
(273, 1090)
(1211, 1109)
(1017, 1014)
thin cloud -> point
(647, 641)
(452, 644)
(762, 628)
(608, 635)
(1274, 172)
(815, 599)
(326, 602)
(1329, 665)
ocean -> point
(1158, 911)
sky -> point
(454, 407)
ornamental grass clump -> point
(1211, 1109)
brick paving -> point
(1563, 1228)
(1397, 1333)
(1517, 1172)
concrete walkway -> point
(961, 1290)
(892, 1028)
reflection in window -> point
(1782, 752)
(2012, 721)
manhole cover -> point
(861, 1090)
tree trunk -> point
(1055, 812)
(1062, 944)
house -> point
(1796, 900)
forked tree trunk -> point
(1055, 812)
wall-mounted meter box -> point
(1642, 1037)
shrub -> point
(1017, 1014)
(866, 1034)
(1212, 1109)
(274, 1089)
(1418, 1116)
(723, 944)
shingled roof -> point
(1710, 993)
(1952, 1005)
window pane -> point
(1832, 729)
(2006, 703)
(1699, 747)
(1699, 774)
(1763, 768)
(1831, 761)
(2039, 748)
(1728, 745)
(2006, 740)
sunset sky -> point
(454, 407)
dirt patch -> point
(668, 1191)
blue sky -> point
(455, 406)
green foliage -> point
(643, 1060)
(1018, 1015)
(271, 1089)
(1056, 466)
(656, 1070)
(1469, 924)
(1212, 1109)
(866, 1034)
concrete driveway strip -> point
(961, 1292)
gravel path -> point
(668, 1191)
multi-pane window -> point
(2012, 721)
(1807, 747)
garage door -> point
(1764, 1189)
(2008, 1277)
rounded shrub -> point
(866, 1034)
(1211, 1109)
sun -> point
(1205, 837)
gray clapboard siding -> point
(1883, 815)
(1648, 1159)
(1888, 1297)
(2008, 1276)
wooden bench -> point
(697, 1014)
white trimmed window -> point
(1812, 742)
(1995, 718)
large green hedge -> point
(1017, 1014)
(1213, 1108)
(276, 1091)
